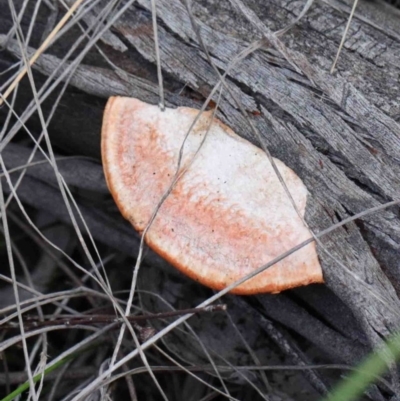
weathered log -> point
(339, 133)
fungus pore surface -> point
(227, 215)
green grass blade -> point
(375, 365)
(25, 386)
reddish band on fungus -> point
(226, 216)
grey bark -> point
(339, 133)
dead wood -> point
(339, 132)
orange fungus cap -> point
(227, 215)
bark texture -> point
(340, 133)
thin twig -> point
(34, 321)
(353, 10)
(40, 50)
(158, 57)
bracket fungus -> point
(228, 213)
